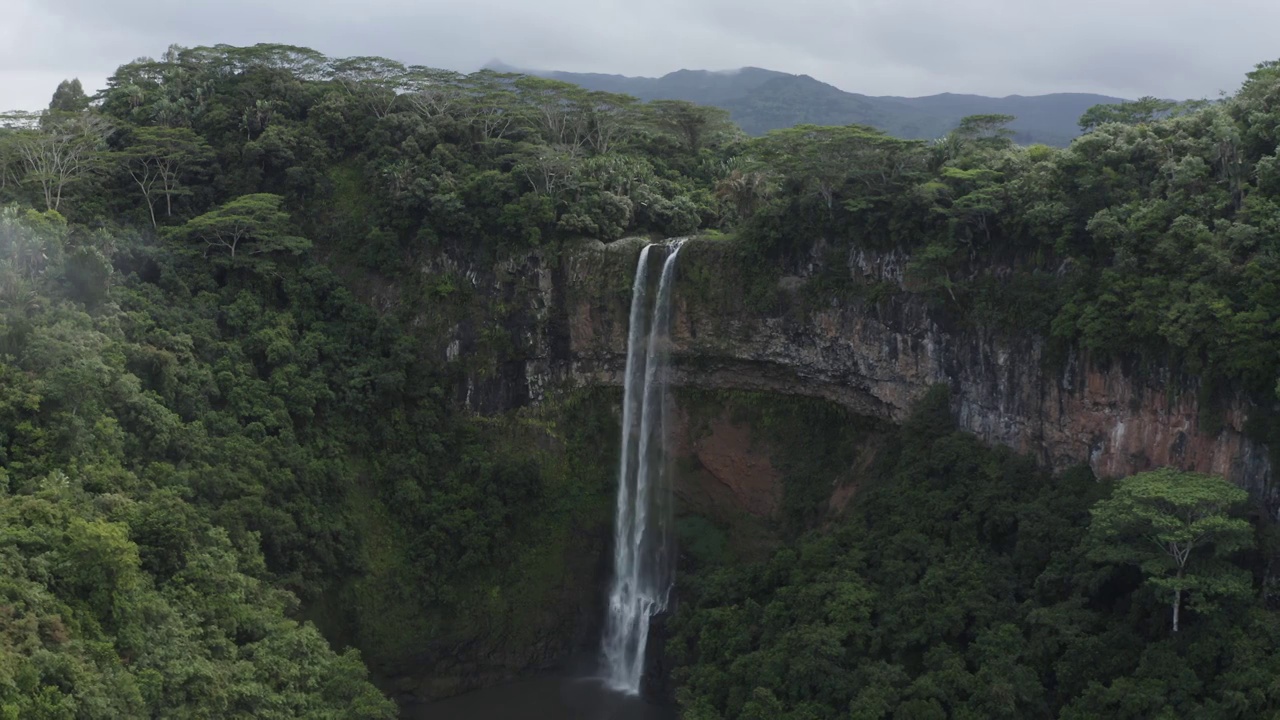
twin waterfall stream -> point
(644, 542)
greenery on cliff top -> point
(202, 424)
(1145, 235)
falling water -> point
(643, 545)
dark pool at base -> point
(546, 697)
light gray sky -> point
(1129, 48)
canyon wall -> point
(878, 357)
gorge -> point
(576, 319)
(337, 412)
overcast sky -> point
(1128, 48)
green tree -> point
(976, 135)
(825, 159)
(1178, 529)
(970, 200)
(992, 128)
(694, 126)
(158, 159)
(609, 120)
(256, 222)
(69, 97)
(553, 110)
(745, 189)
(493, 110)
(435, 93)
(1138, 112)
(377, 81)
(55, 150)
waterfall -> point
(643, 542)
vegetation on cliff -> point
(966, 583)
(1144, 238)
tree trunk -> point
(1177, 600)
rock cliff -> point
(878, 357)
(528, 331)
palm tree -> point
(745, 190)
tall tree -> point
(1140, 111)
(250, 224)
(434, 92)
(301, 62)
(10, 161)
(555, 109)
(56, 150)
(157, 160)
(745, 187)
(491, 107)
(377, 81)
(609, 119)
(988, 132)
(970, 199)
(69, 97)
(1178, 529)
(694, 126)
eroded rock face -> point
(878, 359)
(721, 466)
(569, 319)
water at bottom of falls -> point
(565, 695)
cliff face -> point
(877, 358)
(530, 330)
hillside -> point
(761, 100)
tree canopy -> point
(1177, 528)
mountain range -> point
(761, 100)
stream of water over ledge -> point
(644, 548)
(643, 539)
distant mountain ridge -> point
(761, 100)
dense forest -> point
(966, 583)
(209, 438)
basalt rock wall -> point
(878, 356)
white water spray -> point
(643, 540)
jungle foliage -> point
(966, 583)
(205, 426)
